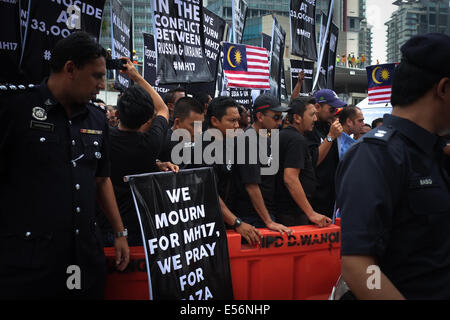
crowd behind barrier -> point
(64, 149)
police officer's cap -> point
(430, 52)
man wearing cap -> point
(255, 201)
(295, 181)
(395, 239)
(323, 146)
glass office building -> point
(415, 17)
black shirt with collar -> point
(47, 189)
(294, 153)
(394, 199)
(187, 152)
(324, 197)
(250, 173)
(132, 153)
(224, 169)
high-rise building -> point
(414, 17)
(141, 12)
(357, 33)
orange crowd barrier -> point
(302, 266)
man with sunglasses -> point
(255, 197)
(324, 150)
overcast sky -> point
(378, 12)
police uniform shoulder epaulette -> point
(380, 134)
(16, 89)
(97, 107)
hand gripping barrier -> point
(302, 266)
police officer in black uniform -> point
(392, 190)
(54, 164)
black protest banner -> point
(308, 67)
(242, 96)
(45, 22)
(214, 28)
(303, 28)
(276, 55)
(121, 39)
(266, 42)
(332, 52)
(10, 41)
(183, 234)
(239, 9)
(178, 28)
(149, 66)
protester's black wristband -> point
(237, 223)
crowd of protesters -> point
(299, 191)
(81, 156)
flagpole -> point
(320, 35)
(303, 69)
(319, 62)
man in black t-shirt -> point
(135, 145)
(296, 181)
(255, 201)
(223, 120)
(187, 112)
(324, 150)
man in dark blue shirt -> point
(54, 165)
(392, 191)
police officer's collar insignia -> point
(380, 133)
(49, 102)
(229, 165)
(39, 113)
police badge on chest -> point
(39, 113)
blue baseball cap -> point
(330, 97)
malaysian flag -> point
(380, 82)
(245, 66)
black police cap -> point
(430, 52)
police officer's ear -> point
(69, 67)
(443, 89)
